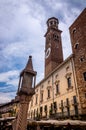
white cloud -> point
(5, 97)
(5, 76)
(22, 27)
(14, 82)
(21, 20)
(11, 80)
(55, 5)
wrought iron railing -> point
(66, 114)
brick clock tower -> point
(53, 46)
(78, 41)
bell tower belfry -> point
(53, 46)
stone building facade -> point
(9, 109)
(62, 92)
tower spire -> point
(29, 65)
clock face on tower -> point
(47, 53)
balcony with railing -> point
(65, 114)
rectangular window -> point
(51, 106)
(41, 97)
(48, 93)
(34, 113)
(68, 108)
(74, 99)
(62, 103)
(67, 101)
(69, 82)
(51, 109)
(36, 99)
(84, 74)
(57, 89)
(62, 108)
(40, 109)
(55, 105)
(45, 108)
(37, 112)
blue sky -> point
(22, 29)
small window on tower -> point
(82, 59)
(84, 74)
(51, 22)
(55, 37)
(74, 33)
(76, 45)
(74, 30)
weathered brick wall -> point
(78, 42)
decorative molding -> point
(70, 88)
(57, 82)
(48, 87)
(57, 94)
(68, 75)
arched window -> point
(76, 45)
(55, 37)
